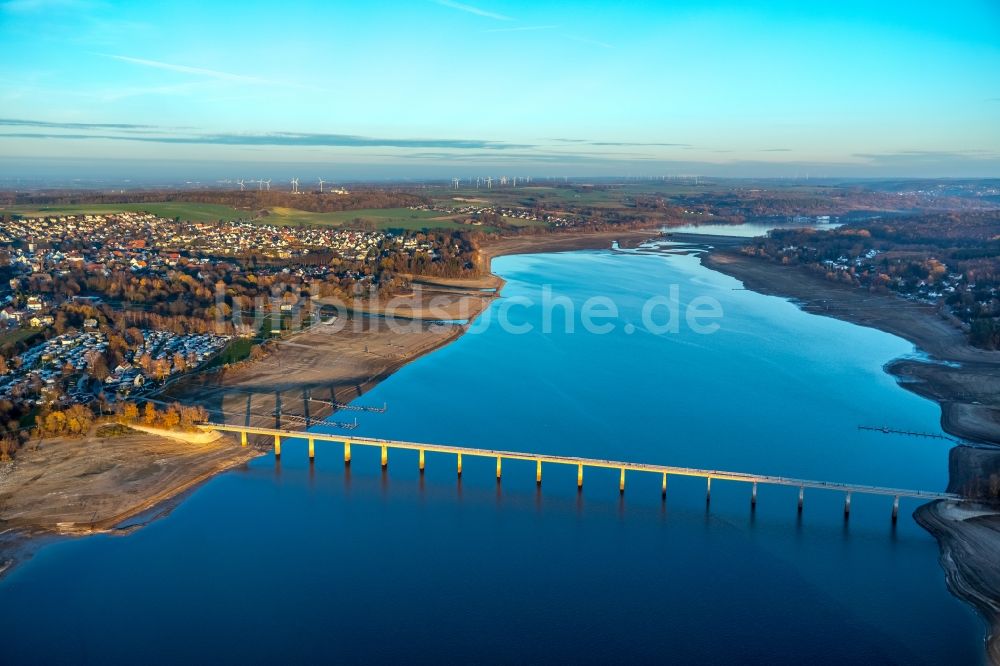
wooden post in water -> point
(708, 489)
(753, 496)
(621, 482)
(459, 465)
(498, 468)
(312, 449)
(664, 491)
(802, 496)
(895, 509)
(243, 438)
(277, 446)
(847, 504)
(579, 477)
(347, 451)
(538, 472)
(385, 456)
(421, 463)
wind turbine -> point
(242, 185)
(295, 186)
(267, 184)
(260, 185)
(321, 181)
(489, 182)
(454, 182)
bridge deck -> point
(586, 462)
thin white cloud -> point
(523, 29)
(207, 73)
(473, 10)
(185, 69)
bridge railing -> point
(385, 445)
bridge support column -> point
(579, 476)
(802, 497)
(753, 495)
(460, 464)
(538, 472)
(708, 490)
(312, 449)
(277, 446)
(621, 481)
(385, 456)
(498, 468)
(895, 509)
(421, 463)
(847, 504)
(347, 452)
(663, 492)
(243, 438)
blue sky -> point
(446, 88)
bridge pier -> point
(622, 466)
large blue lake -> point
(295, 562)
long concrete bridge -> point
(580, 463)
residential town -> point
(72, 367)
(102, 307)
(954, 273)
(481, 214)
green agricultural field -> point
(381, 218)
(517, 222)
(11, 338)
(236, 351)
(193, 212)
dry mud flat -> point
(92, 484)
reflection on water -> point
(747, 229)
(352, 563)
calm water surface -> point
(294, 562)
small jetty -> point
(909, 433)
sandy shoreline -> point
(298, 383)
(90, 485)
(968, 536)
(564, 242)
